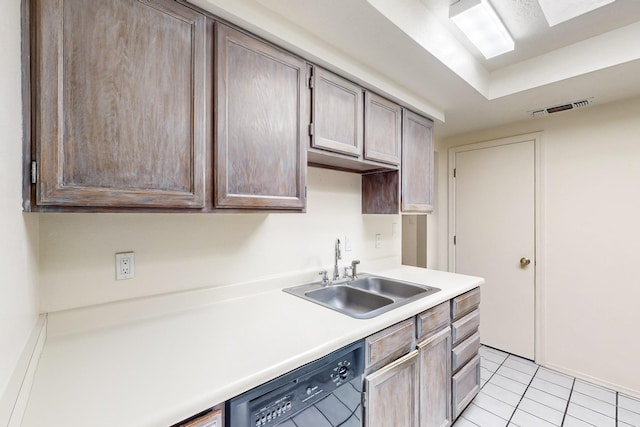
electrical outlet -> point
(347, 243)
(378, 241)
(125, 265)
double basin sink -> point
(364, 297)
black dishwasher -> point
(323, 393)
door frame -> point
(539, 240)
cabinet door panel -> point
(465, 385)
(337, 114)
(435, 380)
(417, 163)
(382, 123)
(121, 89)
(392, 394)
(262, 111)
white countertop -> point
(159, 369)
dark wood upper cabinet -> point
(337, 114)
(120, 90)
(381, 193)
(382, 129)
(417, 163)
(262, 116)
(149, 105)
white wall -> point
(590, 194)
(175, 252)
(414, 240)
(18, 232)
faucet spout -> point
(337, 256)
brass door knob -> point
(524, 262)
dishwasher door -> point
(342, 407)
(323, 393)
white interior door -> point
(494, 228)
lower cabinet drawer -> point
(468, 325)
(465, 351)
(464, 386)
(464, 303)
(390, 343)
(431, 320)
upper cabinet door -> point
(382, 123)
(120, 91)
(262, 117)
(337, 114)
(417, 163)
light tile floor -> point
(517, 392)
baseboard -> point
(582, 376)
(14, 400)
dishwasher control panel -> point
(284, 397)
(308, 389)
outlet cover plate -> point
(125, 265)
(347, 243)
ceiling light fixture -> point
(481, 24)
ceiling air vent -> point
(540, 112)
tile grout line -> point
(522, 397)
(487, 382)
(566, 408)
(466, 419)
(595, 410)
(572, 391)
(494, 372)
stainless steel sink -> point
(349, 300)
(365, 297)
(388, 287)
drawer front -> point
(461, 329)
(433, 319)
(390, 343)
(465, 385)
(212, 419)
(465, 351)
(465, 303)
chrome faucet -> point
(354, 273)
(337, 256)
(350, 272)
(325, 277)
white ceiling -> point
(410, 51)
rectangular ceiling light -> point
(481, 24)
(558, 11)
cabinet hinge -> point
(305, 191)
(454, 172)
(34, 172)
(311, 129)
(364, 399)
(310, 82)
(454, 240)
